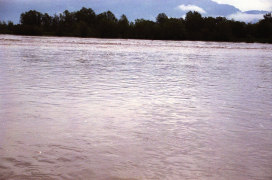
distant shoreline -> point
(251, 42)
(85, 23)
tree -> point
(67, 17)
(85, 15)
(108, 16)
(238, 29)
(145, 29)
(31, 18)
(194, 25)
(268, 17)
(194, 21)
(123, 26)
(161, 18)
(175, 29)
(264, 27)
(223, 30)
(46, 22)
(86, 23)
(106, 24)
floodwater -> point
(75, 108)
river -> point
(78, 108)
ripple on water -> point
(74, 108)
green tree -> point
(85, 15)
(46, 22)
(107, 24)
(194, 21)
(162, 18)
(238, 29)
(264, 27)
(123, 26)
(194, 25)
(145, 29)
(86, 23)
(31, 17)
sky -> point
(242, 10)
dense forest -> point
(86, 23)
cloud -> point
(190, 7)
(246, 5)
(242, 16)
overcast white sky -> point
(246, 5)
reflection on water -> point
(75, 108)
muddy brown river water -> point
(75, 108)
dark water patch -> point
(46, 161)
(62, 159)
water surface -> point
(74, 108)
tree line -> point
(86, 23)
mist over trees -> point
(86, 23)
